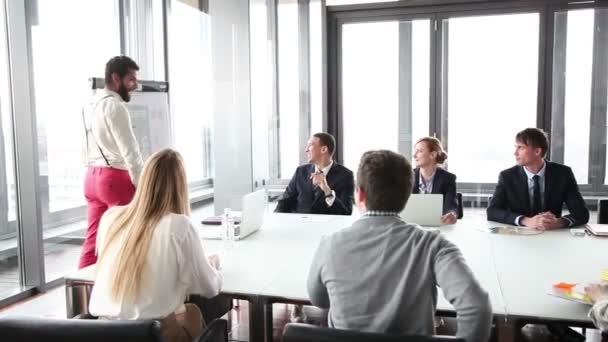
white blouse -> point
(599, 315)
(110, 129)
(176, 267)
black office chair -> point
(602, 211)
(297, 332)
(25, 329)
(217, 331)
(459, 201)
(212, 308)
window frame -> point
(275, 179)
(446, 9)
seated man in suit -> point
(397, 291)
(532, 193)
(321, 187)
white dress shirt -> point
(541, 183)
(110, 128)
(599, 315)
(425, 186)
(331, 198)
(176, 266)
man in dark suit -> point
(321, 187)
(533, 192)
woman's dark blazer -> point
(444, 183)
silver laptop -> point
(423, 209)
(254, 208)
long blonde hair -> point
(162, 189)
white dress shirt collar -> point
(105, 92)
(540, 173)
(326, 169)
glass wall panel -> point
(385, 92)
(492, 80)
(190, 88)
(158, 54)
(10, 275)
(289, 87)
(352, 2)
(572, 89)
(62, 68)
(282, 156)
(316, 66)
(261, 89)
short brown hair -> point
(434, 145)
(534, 137)
(328, 140)
(121, 65)
(386, 178)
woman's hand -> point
(214, 260)
(597, 292)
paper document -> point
(513, 230)
(317, 218)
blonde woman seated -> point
(150, 256)
(429, 178)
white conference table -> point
(271, 266)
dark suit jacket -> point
(511, 197)
(301, 196)
(444, 183)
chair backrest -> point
(212, 308)
(602, 211)
(297, 332)
(216, 331)
(459, 201)
(23, 329)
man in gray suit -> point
(381, 273)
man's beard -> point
(124, 92)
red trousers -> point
(104, 187)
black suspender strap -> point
(87, 130)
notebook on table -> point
(570, 291)
(597, 229)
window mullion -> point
(599, 91)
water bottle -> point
(228, 229)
